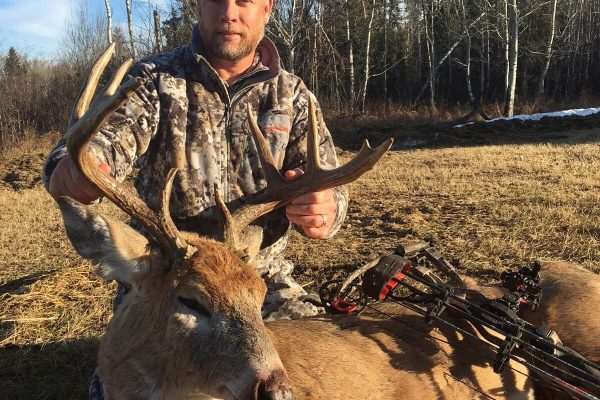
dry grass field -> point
(491, 198)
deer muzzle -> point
(275, 387)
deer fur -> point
(157, 348)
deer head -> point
(191, 325)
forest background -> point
(428, 60)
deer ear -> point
(120, 250)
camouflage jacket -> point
(186, 116)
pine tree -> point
(14, 64)
(177, 29)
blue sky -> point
(36, 27)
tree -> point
(14, 64)
(177, 29)
(108, 20)
(130, 28)
(85, 38)
(513, 56)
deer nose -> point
(274, 388)
(274, 394)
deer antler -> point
(280, 191)
(87, 118)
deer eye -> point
(194, 305)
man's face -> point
(231, 29)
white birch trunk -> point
(157, 31)
(130, 28)
(513, 58)
(109, 21)
(506, 51)
(363, 92)
(548, 55)
(350, 57)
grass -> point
(490, 200)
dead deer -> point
(191, 328)
(570, 295)
(570, 302)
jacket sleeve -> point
(296, 153)
(125, 136)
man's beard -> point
(230, 51)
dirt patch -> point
(23, 172)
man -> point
(191, 114)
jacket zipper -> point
(230, 101)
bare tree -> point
(157, 31)
(428, 24)
(289, 24)
(84, 39)
(109, 20)
(513, 22)
(549, 49)
(350, 57)
(367, 63)
(130, 28)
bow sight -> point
(419, 278)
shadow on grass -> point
(50, 371)
(21, 285)
(349, 134)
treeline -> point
(434, 52)
(356, 55)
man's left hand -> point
(313, 212)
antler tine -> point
(160, 225)
(166, 222)
(264, 152)
(117, 77)
(280, 191)
(313, 162)
(91, 82)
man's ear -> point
(268, 10)
(121, 252)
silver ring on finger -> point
(323, 220)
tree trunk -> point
(513, 58)
(314, 70)
(130, 28)
(386, 17)
(157, 31)
(350, 57)
(506, 50)
(430, 41)
(548, 55)
(109, 21)
(441, 60)
(468, 72)
(363, 92)
(468, 55)
(292, 44)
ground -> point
(491, 197)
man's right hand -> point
(66, 180)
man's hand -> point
(314, 212)
(66, 180)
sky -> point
(36, 27)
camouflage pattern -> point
(186, 116)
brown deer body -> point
(570, 298)
(190, 328)
(570, 305)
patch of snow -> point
(580, 112)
